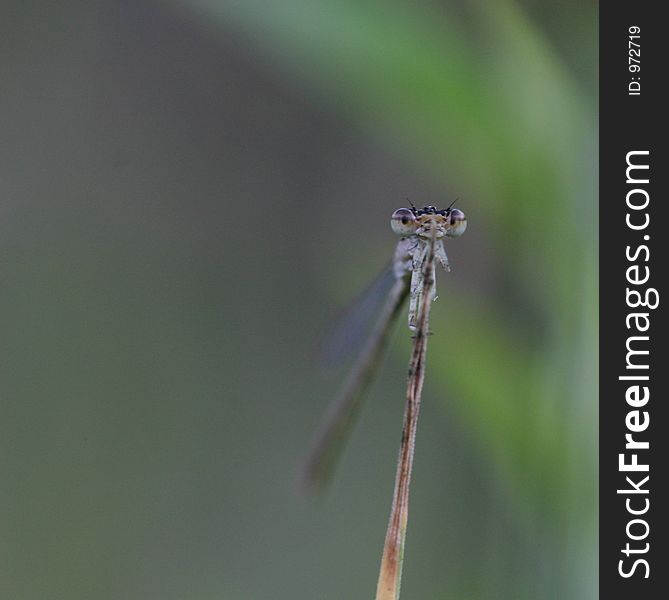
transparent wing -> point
(343, 411)
(351, 328)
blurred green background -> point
(190, 192)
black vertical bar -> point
(633, 243)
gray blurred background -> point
(190, 193)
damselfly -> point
(421, 231)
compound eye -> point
(457, 223)
(403, 222)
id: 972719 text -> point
(634, 60)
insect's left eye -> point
(457, 223)
(403, 221)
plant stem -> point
(390, 575)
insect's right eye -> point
(403, 221)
